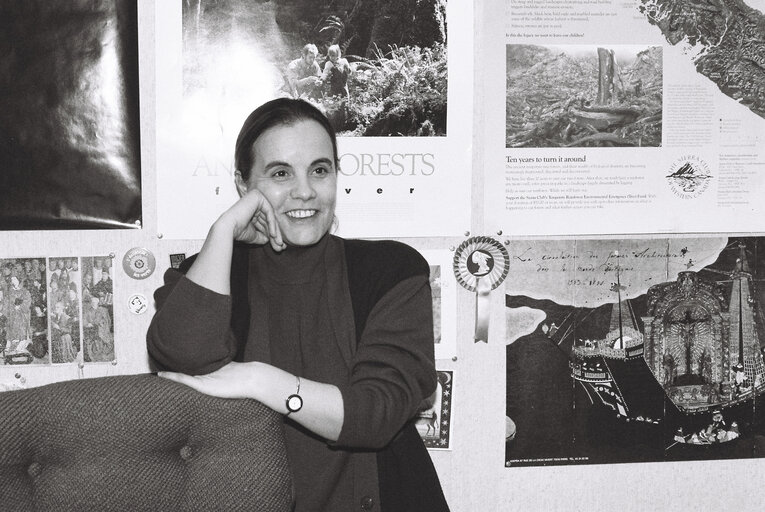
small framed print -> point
(434, 424)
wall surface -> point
(472, 471)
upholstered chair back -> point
(139, 443)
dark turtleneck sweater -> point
(291, 328)
(301, 319)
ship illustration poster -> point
(636, 350)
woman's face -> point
(294, 169)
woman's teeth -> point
(301, 214)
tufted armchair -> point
(138, 443)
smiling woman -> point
(335, 334)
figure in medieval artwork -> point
(705, 365)
(710, 434)
(670, 369)
(19, 314)
(698, 362)
(3, 321)
(104, 288)
(740, 380)
(687, 328)
(733, 433)
(98, 338)
(61, 334)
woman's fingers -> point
(274, 233)
(229, 381)
(180, 378)
(257, 219)
(269, 230)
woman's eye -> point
(321, 171)
(280, 173)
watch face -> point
(294, 403)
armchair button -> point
(367, 503)
(187, 453)
(34, 469)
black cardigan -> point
(407, 479)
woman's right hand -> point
(252, 220)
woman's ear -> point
(241, 186)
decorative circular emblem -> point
(138, 304)
(689, 177)
(481, 257)
(139, 263)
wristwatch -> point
(294, 401)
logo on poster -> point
(689, 177)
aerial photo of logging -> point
(583, 96)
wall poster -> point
(603, 116)
(443, 289)
(383, 74)
(635, 350)
(69, 115)
(56, 310)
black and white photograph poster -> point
(384, 73)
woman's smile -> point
(301, 214)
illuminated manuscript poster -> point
(635, 350)
(604, 117)
(56, 310)
(388, 76)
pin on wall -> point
(139, 263)
(137, 303)
(480, 265)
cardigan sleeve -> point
(190, 332)
(393, 369)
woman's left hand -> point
(235, 380)
(322, 412)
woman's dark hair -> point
(281, 111)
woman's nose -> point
(303, 188)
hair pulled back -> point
(278, 112)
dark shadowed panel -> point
(69, 115)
